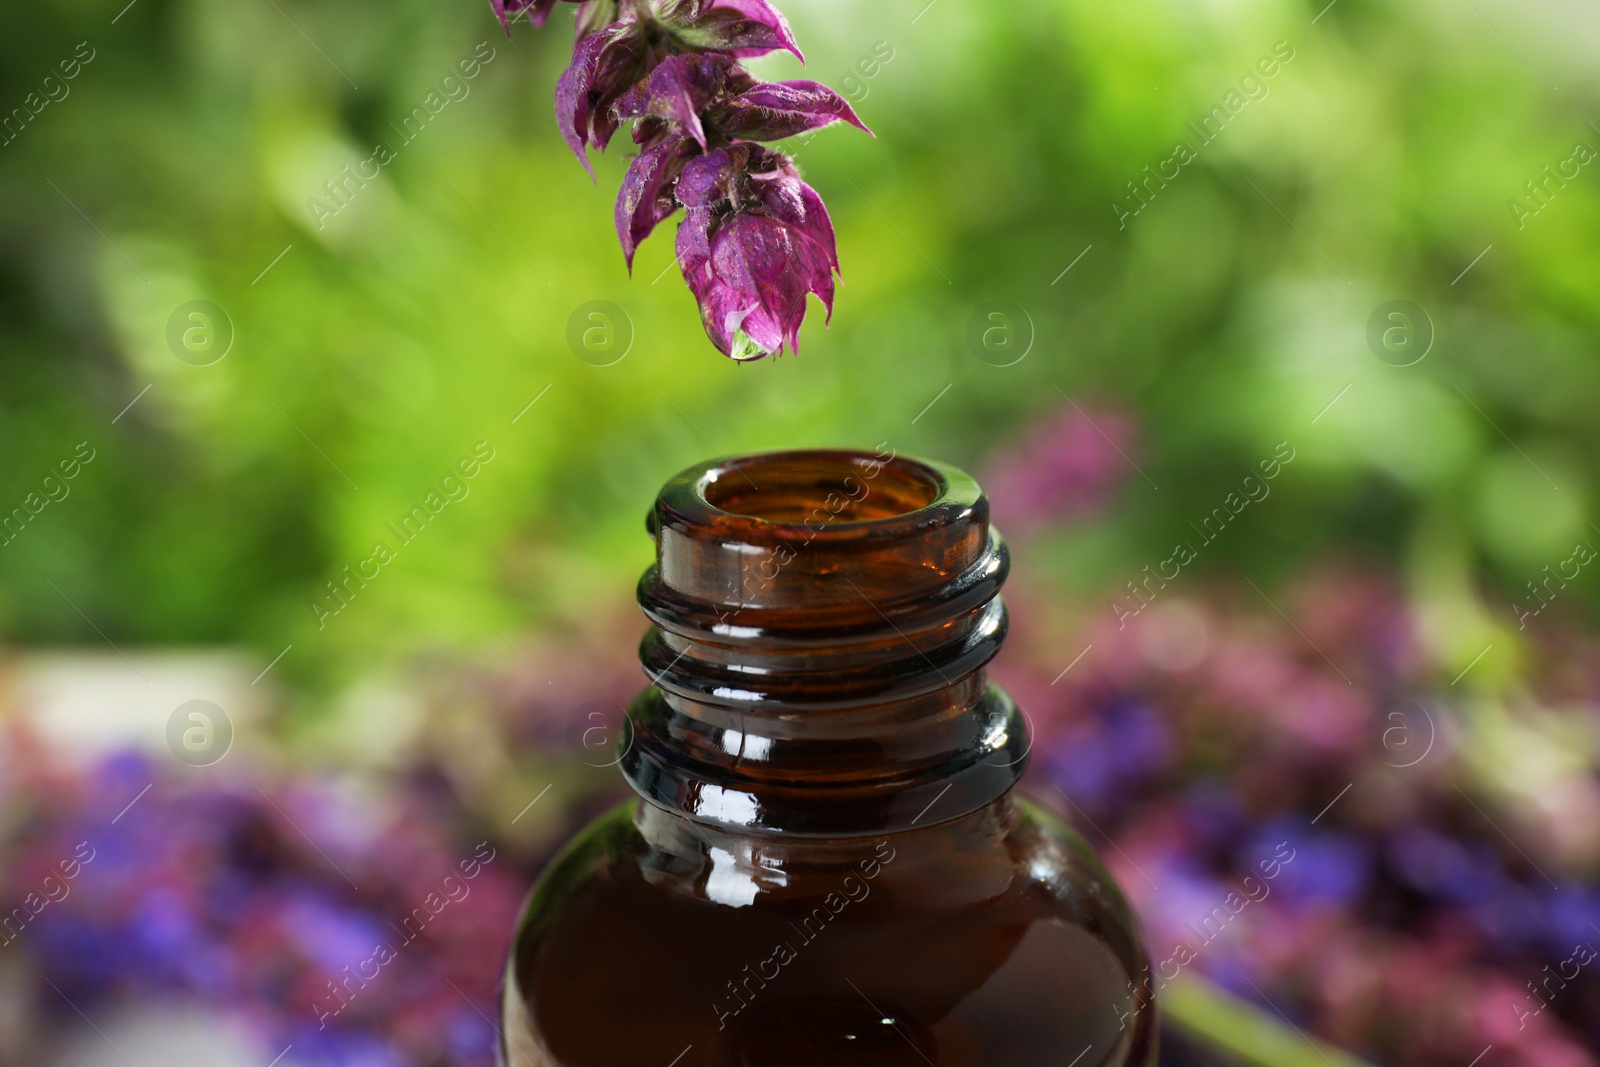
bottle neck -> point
(821, 622)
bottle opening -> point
(814, 531)
(831, 488)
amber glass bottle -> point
(825, 865)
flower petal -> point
(771, 111)
(679, 89)
(817, 227)
(772, 269)
(706, 179)
(731, 319)
(694, 236)
(506, 10)
(755, 241)
(753, 256)
(646, 199)
(738, 27)
(604, 66)
(574, 99)
(785, 197)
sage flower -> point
(755, 239)
(608, 62)
(696, 92)
(693, 103)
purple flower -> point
(742, 28)
(754, 241)
(692, 103)
(608, 62)
(604, 66)
(671, 99)
(647, 197)
(771, 111)
(691, 95)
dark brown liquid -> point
(826, 865)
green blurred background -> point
(422, 318)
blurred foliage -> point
(424, 317)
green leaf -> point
(1222, 1020)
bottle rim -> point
(853, 494)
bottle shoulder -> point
(1005, 926)
(1022, 850)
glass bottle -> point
(825, 864)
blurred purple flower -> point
(209, 894)
(1212, 811)
(1098, 764)
(1076, 763)
(1572, 916)
(1065, 467)
(327, 934)
(1442, 867)
(1515, 916)
(1141, 739)
(1188, 892)
(1236, 972)
(1330, 867)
